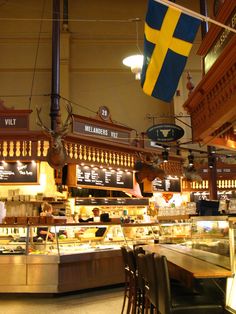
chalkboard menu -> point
(167, 185)
(18, 172)
(97, 177)
(112, 201)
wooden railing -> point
(77, 153)
(80, 153)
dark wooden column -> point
(212, 173)
(55, 84)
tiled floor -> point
(103, 301)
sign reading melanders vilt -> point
(103, 128)
(100, 177)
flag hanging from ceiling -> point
(168, 37)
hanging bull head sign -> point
(56, 155)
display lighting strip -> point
(104, 169)
(221, 184)
(4, 162)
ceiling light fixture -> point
(211, 161)
(165, 155)
(135, 62)
(190, 158)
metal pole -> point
(55, 84)
(203, 11)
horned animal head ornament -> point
(56, 155)
(191, 174)
(148, 169)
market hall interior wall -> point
(92, 62)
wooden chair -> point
(124, 251)
(139, 251)
(187, 304)
(146, 270)
(130, 291)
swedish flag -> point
(168, 38)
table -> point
(186, 265)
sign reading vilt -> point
(13, 118)
(16, 122)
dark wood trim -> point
(211, 104)
(214, 30)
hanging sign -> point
(112, 201)
(13, 119)
(13, 122)
(101, 178)
(165, 132)
(167, 185)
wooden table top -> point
(197, 267)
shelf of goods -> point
(23, 212)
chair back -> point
(152, 281)
(140, 267)
(164, 290)
(130, 259)
(124, 254)
(138, 250)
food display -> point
(6, 250)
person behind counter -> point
(96, 213)
(44, 232)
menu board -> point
(18, 172)
(101, 177)
(112, 201)
(167, 185)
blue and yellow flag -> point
(168, 38)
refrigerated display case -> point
(231, 282)
(80, 255)
(87, 255)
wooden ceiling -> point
(212, 103)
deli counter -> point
(80, 256)
(87, 255)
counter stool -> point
(169, 303)
(151, 286)
(130, 290)
(139, 252)
(124, 252)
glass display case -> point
(206, 233)
(13, 240)
(76, 238)
(211, 234)
(87, 255)
(204, 237)
(73, 238)
(89, 252)
(176, 229)
(142, 233)
(89, 237)
(231, 282)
